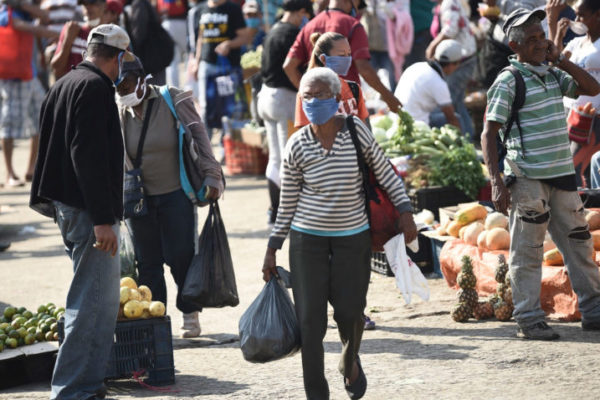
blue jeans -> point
(381, 60)
(91, 309)
(457, 83)
(164, 235)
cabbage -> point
(383, 122)
(379, 134)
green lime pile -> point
(19, 326)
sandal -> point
(369, 324)
(357, 389)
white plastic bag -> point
(409, 278)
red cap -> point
(114, 6)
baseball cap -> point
(250, 6)
(114, 6)
(109, 35)
(519, 17)
(449, 50)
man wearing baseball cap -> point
(541, 176)
(422, 88)
(78, 181)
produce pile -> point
(439, 156)
(500, 305)
(476, 227)
(553, 257)
(136, 302)
(251, 59)
(19, 326)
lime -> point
(54, 327)
(15, 316)
(50, 305)
(9, 312)
(19, 322)
(13, 334)
(49, 336)
(51, 320)
(29, 339)
(39, 336)
(11, 342)
(27, 314)
(3, 337)
(45, 328)
(42, 309)
(4, 325)
(32, 330)
(22, 332)
(55, 337)
(21, 310)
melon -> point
(481, 240)
(497, 239)
(553, 257)
(593, 220)
(496, 220)
(470, 213)
(596, 239)
(453, 228)
(472, 232)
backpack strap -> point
(518, 102)
(355, 90)
(362, 165)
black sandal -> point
(357, 389)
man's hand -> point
(73, 29)
(500, 196)
(106, 240)
(392, 102)
(406, 225)
(269, 265)
(553, 52)
(553, 8)
(212, 193)
(192, 67)
(223, 48)
(562, 27)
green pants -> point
(334, 270)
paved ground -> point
(417, 352)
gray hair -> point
(323, 75)
(517, 34)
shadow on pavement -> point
(185, 386)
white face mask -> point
(132, 99)
(578, 28)
(92, 23)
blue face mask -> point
(320, 111)
(339, 64)
(353, 12)
(304, 22)
(253, 22)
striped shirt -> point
(543, 121)
(321, 190)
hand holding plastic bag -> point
(269, 329)
(409, 278)
(127, 254)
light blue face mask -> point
(304, 22)
(320, 111)
(339, 64)
(253, 22)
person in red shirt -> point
(332, 50)
(73, 37)
(340, 17)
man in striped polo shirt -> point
(541, 178)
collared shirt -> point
(542, 119)
(160, 165)
(321, 190)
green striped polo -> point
(543, 121)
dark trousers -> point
(334, 270)
(164, 236)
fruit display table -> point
(557, 297)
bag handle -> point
(362, 165)
(138, 156)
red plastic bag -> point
(579, 125)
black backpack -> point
(517, 104)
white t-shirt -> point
(421, 90)
(586, 55)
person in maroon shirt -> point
(340, 17)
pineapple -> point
(502, 310)
(469, 297)
(461, 312)
(466, 279)
(508, 297)
(501, 269)
(501, 289)
(483, 310)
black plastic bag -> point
(269, 329)
(210, 281)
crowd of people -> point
(97, 82)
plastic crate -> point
(432, 198)
(141, 344)
(241, 158)
(379, 263)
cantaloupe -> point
(549, 245)
(553, 257)
(481, 240)
(496, 220)
(596, 239)
(472, 232)
(442, 230)
(470, 213)
(593, 220)
(453, 228)
(497, 239)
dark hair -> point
(592, 5)
(323, 43)
(99, 50)
(297, 5)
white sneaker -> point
(191, 325)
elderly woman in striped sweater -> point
(322, 207)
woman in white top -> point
(585, 52)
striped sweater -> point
(321, 190)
